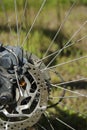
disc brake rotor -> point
(32, 102)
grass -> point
(40, 38)
(9, 5)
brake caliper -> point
(23, 88)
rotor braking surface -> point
(24, 89)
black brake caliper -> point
(7, 62)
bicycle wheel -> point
(43, 65)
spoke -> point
(41, 126)
(74, 92)
(46, 116)
(54, 53)
(74, 35)
(65, 97)
(82, 38)
(64, 63)
(22, 20)
(65, 124)
(63, 93)
(64, 83)
(62, 24)
(34, 22)
(16, 13)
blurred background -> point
(73, 112)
